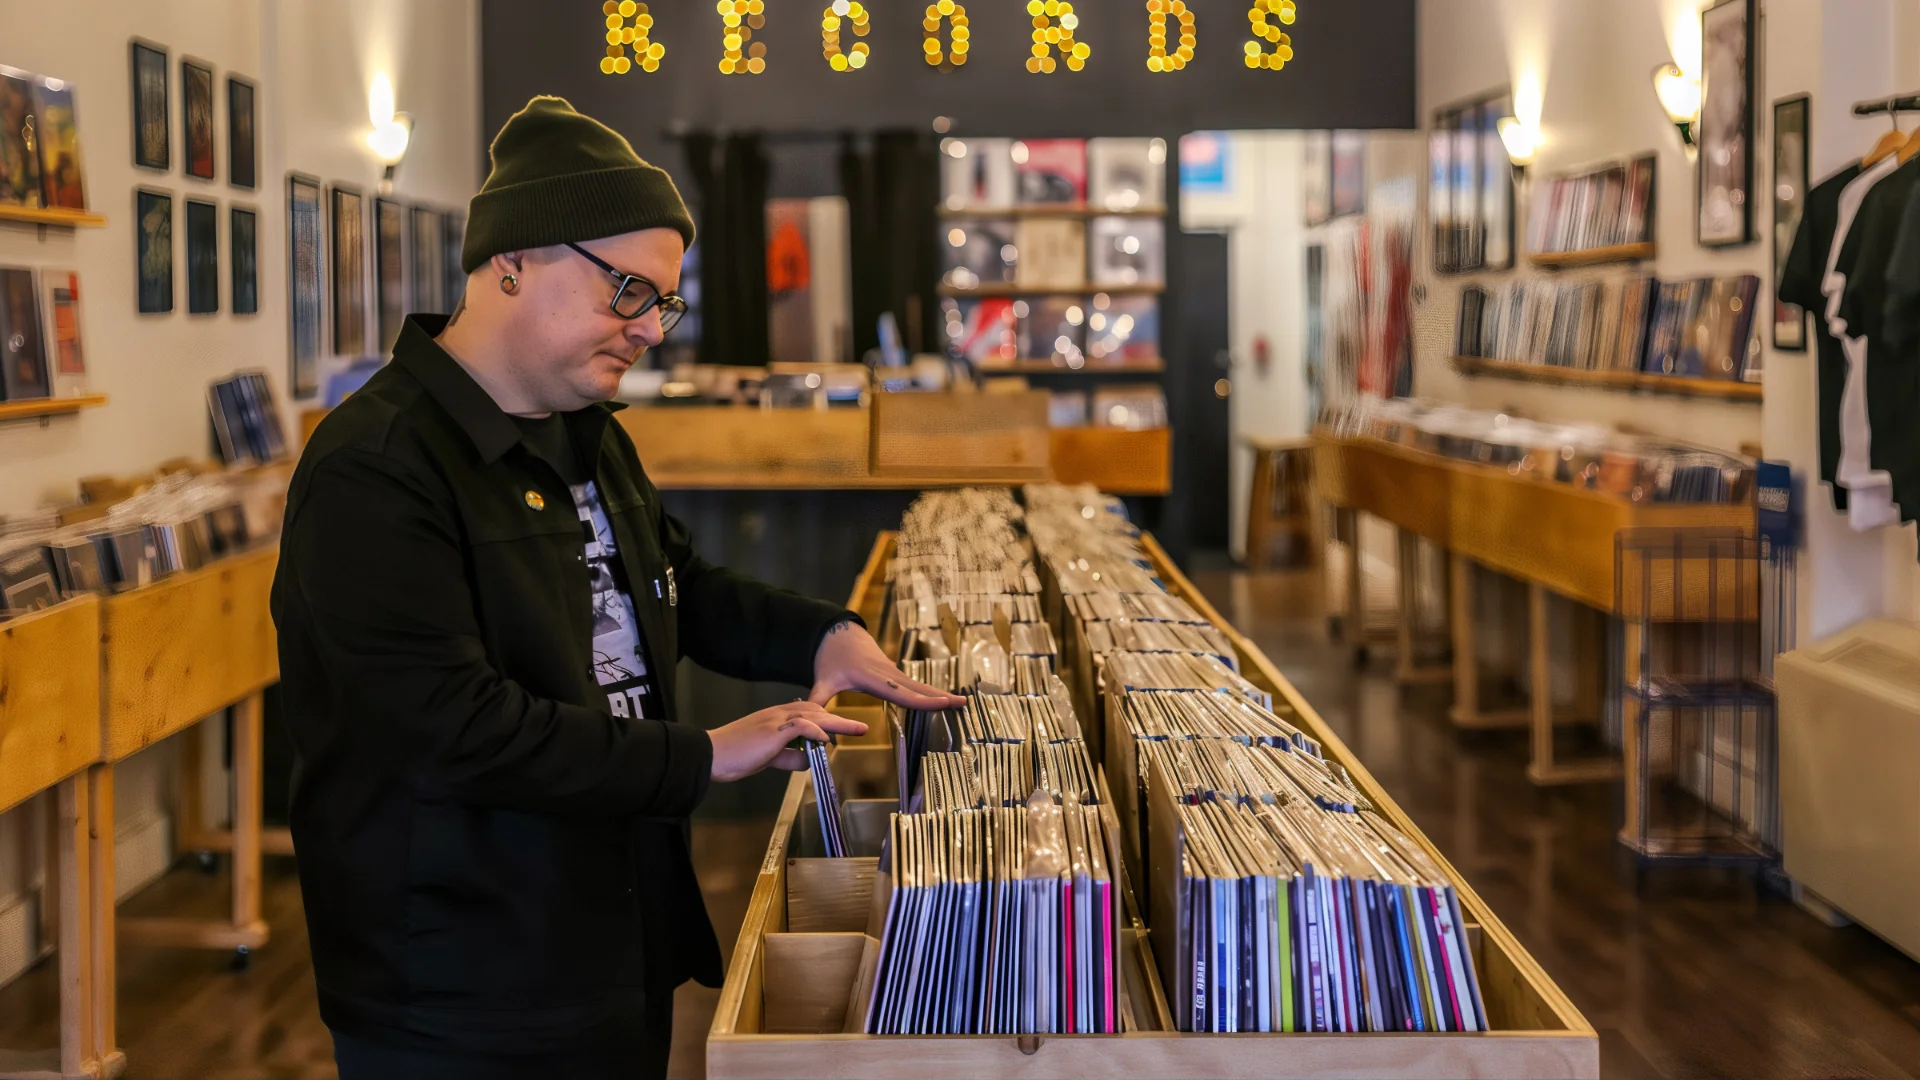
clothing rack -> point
(1899, 103)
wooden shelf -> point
(1050, 210)
(998, 288)
(58, 216)
(1619, 253)
(1091, 367)
(56, 406)
(1720, 389)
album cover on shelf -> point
(1717, 337)
(1052, 253)
(20, 179)
(985, 331)
(57, 129)
(1134, 407)
(1123, 329)
(1051, 171)
(1053, 328)
(27, 581)
(1067, 408)
(979, 251)
(1126, 174)
(62, 293)
(76, 563)
(23, 345)
(977, 174)
(1126, 251)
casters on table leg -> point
(209, 862)
(242, 958)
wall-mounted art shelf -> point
(40, 408)
(1619, 253)
(1722, 389)
(60, 216)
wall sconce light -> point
(1522, 141)
(392, 131)
(1679, 95)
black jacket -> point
(488, 857)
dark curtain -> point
(893, 193)
(730, 179)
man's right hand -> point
(754, 742)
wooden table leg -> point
(77, 891)
(1353, 625)
(1407, 670)
(1543, 769)
(1260, 512)
(106, 973)
(1632, 715)
(1464, 601)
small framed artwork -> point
(426, 283)
(390, 268)
(1316, 176)
(203, 257)
(349, 272)
(1349, 173)
(1790, 167)
(242, 150)
(152, 135)
(305, 293)
(1725, 205)
(153, 250)
(243, 237)
(196, 116)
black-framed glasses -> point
(636, 296)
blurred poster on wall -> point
(809, 292)
(1205, 163)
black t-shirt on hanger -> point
(1893, 379)
(1900, 327)
(1800, 283)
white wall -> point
(312, 63)
(1591, 65)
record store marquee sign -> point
(1171, 43)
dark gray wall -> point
(1354, 68)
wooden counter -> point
(785, 999)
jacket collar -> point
(493, 432)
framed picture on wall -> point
(390, 268)
(1725, 206)
(196, 115)
(1349, 173)
(243, 236)
(1791, 138)
(242, 151)
(203, 257)
(426, 284)
(152, 137)
(349, 272)
(1496, 186)
(305, 303)
(1316, 176)
(153, 250)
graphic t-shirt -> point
(619, 650)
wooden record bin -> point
(784, 1008)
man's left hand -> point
(849, 659)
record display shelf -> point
(1719, 389)
(1068, 210)
(995, 288)
(57, 216)
(788, 995)
(42, 408)
(1555, 537)
(1600, 256)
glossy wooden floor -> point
(1685, 973)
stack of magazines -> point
(1701, 329)
(1295, 906)
(1605, 207)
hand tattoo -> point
(787, 725)
(891, 685)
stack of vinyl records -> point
(1701, 329)
(1294, 906)
(1607, 207)
(826, 798)
(1000, 921)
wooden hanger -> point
(1910, 148)
(1892, 142)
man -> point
(481, 604)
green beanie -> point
(560, 177)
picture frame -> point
(426, 284)
(346, 213)
(1440, 191)
(1316, 172)
(196, 119)
(153, 251)
(243, 150)
(1471, 199)
(1724, 174)
(1349, 173)
(152, 113)
(203, 256)
(306, 294)
(390, 268)
(243, 241)
(1792, 138)
(1497, 217)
